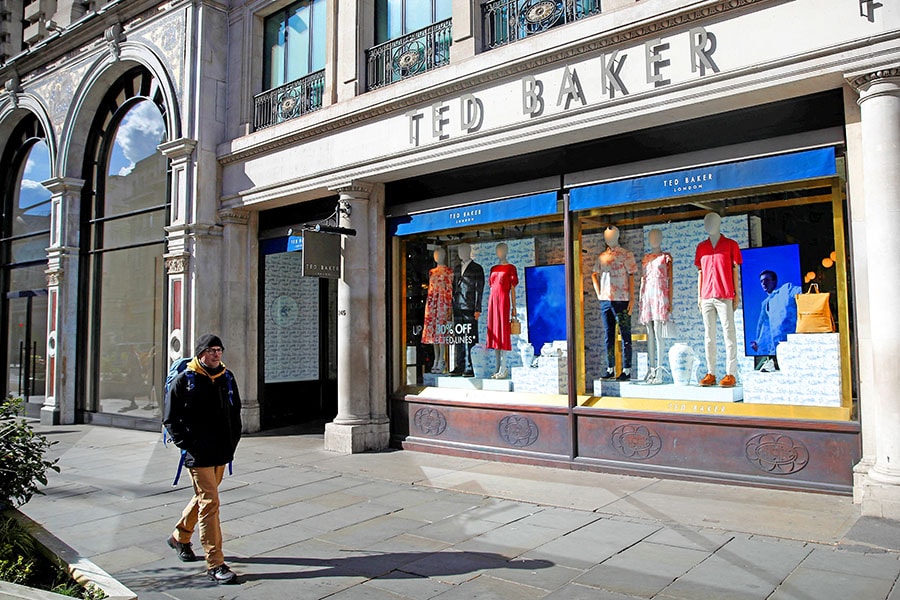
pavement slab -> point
(300, 522)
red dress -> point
(438, 305)
(503, 278)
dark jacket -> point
(468, 288)
(201, 420)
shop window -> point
(657, 333)
(125, 214)
(484, 306)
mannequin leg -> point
(608, 315)
(439, 363)
(708, 309)
(624, 321)
(660, 351)
(652, 354)
(502, 371)
(729, 332)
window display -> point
(656, 304)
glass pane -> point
(136, 173)
(273, 58)
(395, 19)
(418, 15)
(292, 320)
(130, 323)
(298, 42)
(443, 9)
(31, 211)
(33, 248)
(28, 278)
(381, 21)
(148, 227)
(27, 327)
(318, 35)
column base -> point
(354, 439)
(50, 415)
(877, 498)
(250, 418)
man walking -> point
(203, 418)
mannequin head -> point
(611, 235)
(712, 224)
(464, 251)
(440, 256)
(502, 251)
(655, 236)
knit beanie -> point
(207, 340)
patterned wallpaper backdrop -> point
(292, 320)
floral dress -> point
(438, 305)
(503, 278)
(655, 288)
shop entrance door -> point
(26, 344)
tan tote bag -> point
(814, 312)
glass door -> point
(26, 345)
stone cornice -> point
(234, 216)
(181, 148)
(59, 186)
(654, 26)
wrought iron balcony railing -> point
(414, 53)
(506, 21)
(288, 101)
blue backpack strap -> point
(180, 467)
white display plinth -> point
(668, 391)
(810, 373)
(459, 383)
(497, 385)
(548, 377)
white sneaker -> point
(503, 373)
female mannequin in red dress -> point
(501, 307)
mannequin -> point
(438, 309)
(468, 290)
(613, 280)
(501, 308)
(656, 302)
(718, 259)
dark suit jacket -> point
(468, 288)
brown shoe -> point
(728, 381)
(708, 380)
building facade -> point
(168, 166)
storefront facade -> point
(520, 158)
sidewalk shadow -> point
(391, 565)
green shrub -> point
(22, 462)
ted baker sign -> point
(651, 64)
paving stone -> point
(366, 592)
(339, 518)
(438, 509)
(561, 519)
(681, 537)
(456, 529)
(510, 540)
(371, 532)
(410, 586)
(742, 569)
(593, 544)
(539, 574)
(130, 557)
(455, 567)
(643, 570)
(879, 566)
(806, 583)
(573, 591)
(489, 588)
(407, 542)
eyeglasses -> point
(215, 350)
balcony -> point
(507, 21)
(414, 53)
(289, 101)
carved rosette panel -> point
(776, 453)
(518, 431)
(637, 442)
(430, 421)
(176, 265)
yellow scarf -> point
(197, 367)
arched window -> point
(25, 238)
(125, 211)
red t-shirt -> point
(717, 264)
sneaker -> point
(610, 374)
(708, 380)
(728, 381)
(623, 377)
(184, 551)
(221, 574)
(768, 366)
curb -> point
(80, 568)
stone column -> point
(62, 305)
(239, 290)
(466, 30)
(879, 101)
(361, 335)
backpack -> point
(177, 368)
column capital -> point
(59, 186)
(182, 148)
(176, 263)
(358, 190)
(234, 216)
(863, 82)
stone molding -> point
(231, 216)
(652, 27)
(176, 265)
(358, 190)
(182, 148)
(60, 186)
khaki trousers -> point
(204, 509)
(723, 308)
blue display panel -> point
(545, 287)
